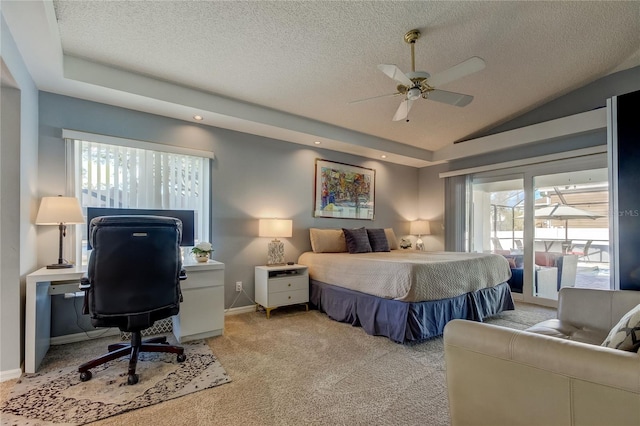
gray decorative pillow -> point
(357, 240)
(378, 240)
(626, 334)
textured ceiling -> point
(311, 58)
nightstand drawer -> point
(288, 297)
(295, 282)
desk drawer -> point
(295, 282)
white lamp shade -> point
(419, 227)
(276, 228)
(56, 210)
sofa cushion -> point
(566, 330)
(545, 259)
(625, 335)
(516, 280)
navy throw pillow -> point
(357, 240)
(378, 240)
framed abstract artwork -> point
(344, 191)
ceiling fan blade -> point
(403, 110)
(374, 97)
(451, 98)
(463, 69)
(395, 73)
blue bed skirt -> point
(407, 322)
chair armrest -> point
(491, 370)
(85, 285)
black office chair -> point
(133, 279)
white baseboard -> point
(240, 310)
(78, 337)
(10, 374)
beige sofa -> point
(554, 373)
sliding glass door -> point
(497, 222)
(550, 221)
(497, 212)
(571, 233)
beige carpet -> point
(302, 368)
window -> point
(134, 174)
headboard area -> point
(332, 240)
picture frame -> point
(344, 191)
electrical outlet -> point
(238, 285)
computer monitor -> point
(186, 216)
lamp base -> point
(419, 245)
(60, 265)
(275, 255)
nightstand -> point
(281, 285)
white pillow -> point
(625, 335)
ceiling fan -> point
(419, 84)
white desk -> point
(201, 312)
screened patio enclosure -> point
(570, 224)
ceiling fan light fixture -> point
(414, 93)
(420, 84)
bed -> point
(407, 295)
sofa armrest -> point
(597, 309)
(501, 376)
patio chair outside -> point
(584, 253)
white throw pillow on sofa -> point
(626, 334)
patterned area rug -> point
(55, 395)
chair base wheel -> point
(132, 379)
(85, 375)
(181, 357)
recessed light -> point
(317, 142)
(383, 156)
(198, 117)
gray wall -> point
(586, 98)
(18, 201)
(591, 96)
(252, 177)
(431, 204)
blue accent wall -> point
(628, 208)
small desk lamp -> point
(419, 228)
(59, 211)
(276, 228)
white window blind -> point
(120, 176)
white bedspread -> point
(408, 275)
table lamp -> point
(59, 211)
(419, 228)
(276, 228)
